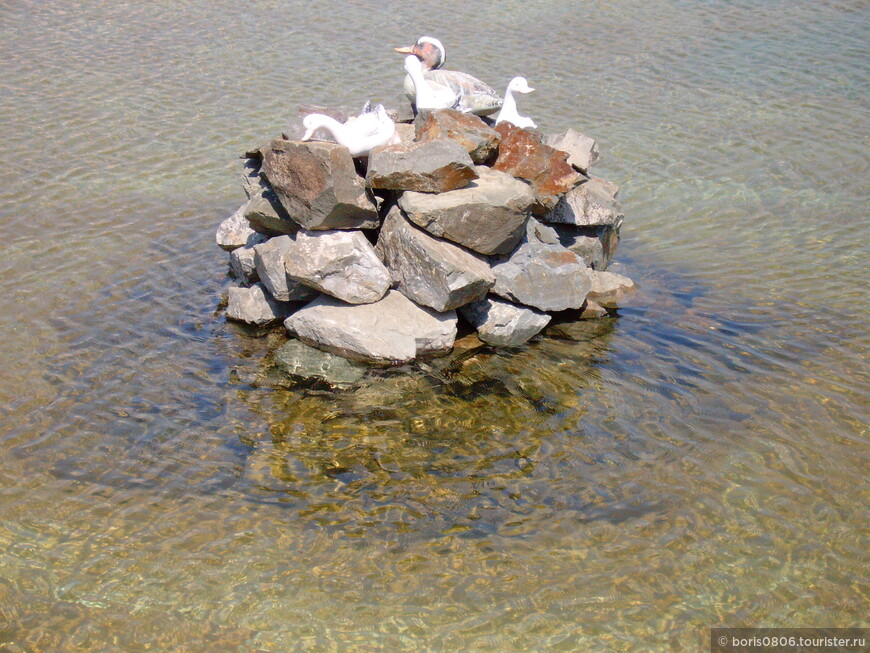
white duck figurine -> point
(361, 134)
(508, 112)
(474, 95)
(429, 95)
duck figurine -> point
(508, 111)
(429, 95)
(360, 134)
(474, 95)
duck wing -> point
(475, 96)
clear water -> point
(701, 460)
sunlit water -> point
(625, 484)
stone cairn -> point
(375, 259)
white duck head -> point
(509, 111)
(429, 50)
(429, 95)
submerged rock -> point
(610, 289)
(592, 203)
(488, 216)
(582, 151)
(430, 167)
(243, 265)
(392, 330)
(235, 231)
(255, 306)
(269, 261)
(298, 360)
(340, 263)
(432, 272)
(317, 184)
(502, 323)
(479, 139)
(544, 275)
(522, 155)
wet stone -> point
(610, 289)
(434, 166)
(479, 139)
(300, 361)
(504, 324)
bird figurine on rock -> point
(508, 111)
(474, 95)
(360, 134)
(428, 95)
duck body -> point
(429, 96)
(509, 111)
(361, 134)
(474, 96)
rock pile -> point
(376, 258)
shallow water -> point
(620, 485)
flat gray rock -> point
(487, 216)
(582, 150)
(610, 289)
(430, 271)
(255, 306)
(269, 262)
(301, 361)
(317, 183)
(339, 263)
(392, 330)
(242, 264)
(592, 203)
(502, 323)
(543, 275)
(433, 166)
(235, 231)
(266, 214)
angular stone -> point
(406, 132)
(433, 166)
(340, 263)
(252, 183)
(523, 155)
(298, 360)
(610, 289)
(235, 231)
(582, 150)
(592, 203)
(269, 261)
(543, 275)
(242, 264)
(392, 330)
(595, 245)
(502, 323)
(317, 184)
(479, 139)
(488, 216)
(401, 111)
(432, 272)
(592, 310)
(255, 306)
(266, 214)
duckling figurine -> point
(429, 95)
(474, 95)
(361, 134)
(508, 111)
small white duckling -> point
(429, 95)
(508, 111)
(361, 134)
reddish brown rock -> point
(317, 184)
(435, 166)
(523, 155)
(479, 139)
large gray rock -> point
(242, 264)
(235, 231)
(266, 214)
(610, 289)
(340, 263)
(592, 203)
(317, 184)
(255, 306)
(502, 323)
(582, 150)
(269, 261)
(301, 361)
(595, 245)
(432, 272)
(393, 330)
(540, 274)
(488, 216)
(433, 166)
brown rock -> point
(317, 184)
(434, 166)
(479, 139)
(523, 155)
